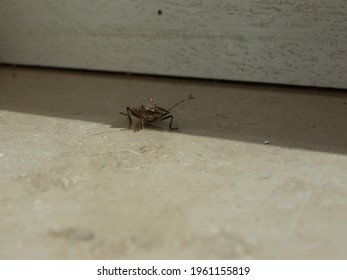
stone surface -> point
(76, 183)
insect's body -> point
(151, 113)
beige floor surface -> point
(255, 172)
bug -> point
(152, 113)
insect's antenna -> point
(190, 97)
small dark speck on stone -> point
(160, 12)
(344, 103)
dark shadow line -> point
(165, 78)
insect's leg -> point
(128, 113)
(170, 125)
(141, 126)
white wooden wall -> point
(300, 42)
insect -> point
(152, 113)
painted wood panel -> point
(277, 41)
